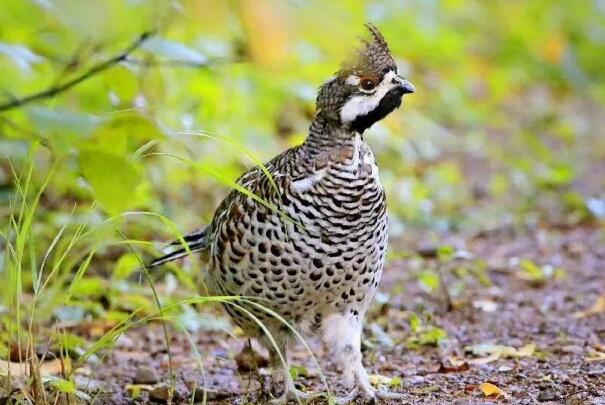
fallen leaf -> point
(458, 368)
(135, 389)
(491, 390)
(495, 352)
(62, 385)
(596, 356)
(379, 379)
(91, 329)
(55, 366)
(596, 308)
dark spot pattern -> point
(329, 257)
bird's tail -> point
(196, 242)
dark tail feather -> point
(192, 237)
(196, 242)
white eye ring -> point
(367, 91)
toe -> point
(385, 394)
(347, 399)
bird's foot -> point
(347, 399)
(369, 395)
(294, 395)
(383, 393)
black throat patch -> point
(390, 102)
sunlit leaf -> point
(429, 280)
(297, 371)
(491, 390)
(495, 352)
(62, 385)
(113, 178)
(125, 266)
(431, 336)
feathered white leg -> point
(343, 334)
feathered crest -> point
(373, 57)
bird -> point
(308, 240)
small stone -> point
(160, 392)
(547, 395)
(124, 342)
(198, 395)
(87, 384)
(596, 372)
(146, 375)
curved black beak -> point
(408, 87)
(404, 85)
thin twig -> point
(98, 68)
(181, 63)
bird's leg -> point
(343, 333)
(280, 373)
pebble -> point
(548, 395)
(87, 384)
(161, 392)
(146, 375)
(124, 342)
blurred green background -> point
(506, 127)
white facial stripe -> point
(363, 104)
(353, 80)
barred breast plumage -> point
(308, 241)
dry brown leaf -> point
(51, 367)
(596, 308)
(491, 390)
(457, 368)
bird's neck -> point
(326, 134)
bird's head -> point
(366, 89)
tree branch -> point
(98, 68)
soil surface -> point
(522, 310)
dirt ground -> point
(552, 330)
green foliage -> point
(113, 179)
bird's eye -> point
(368, 84)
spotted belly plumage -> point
(320, 251)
